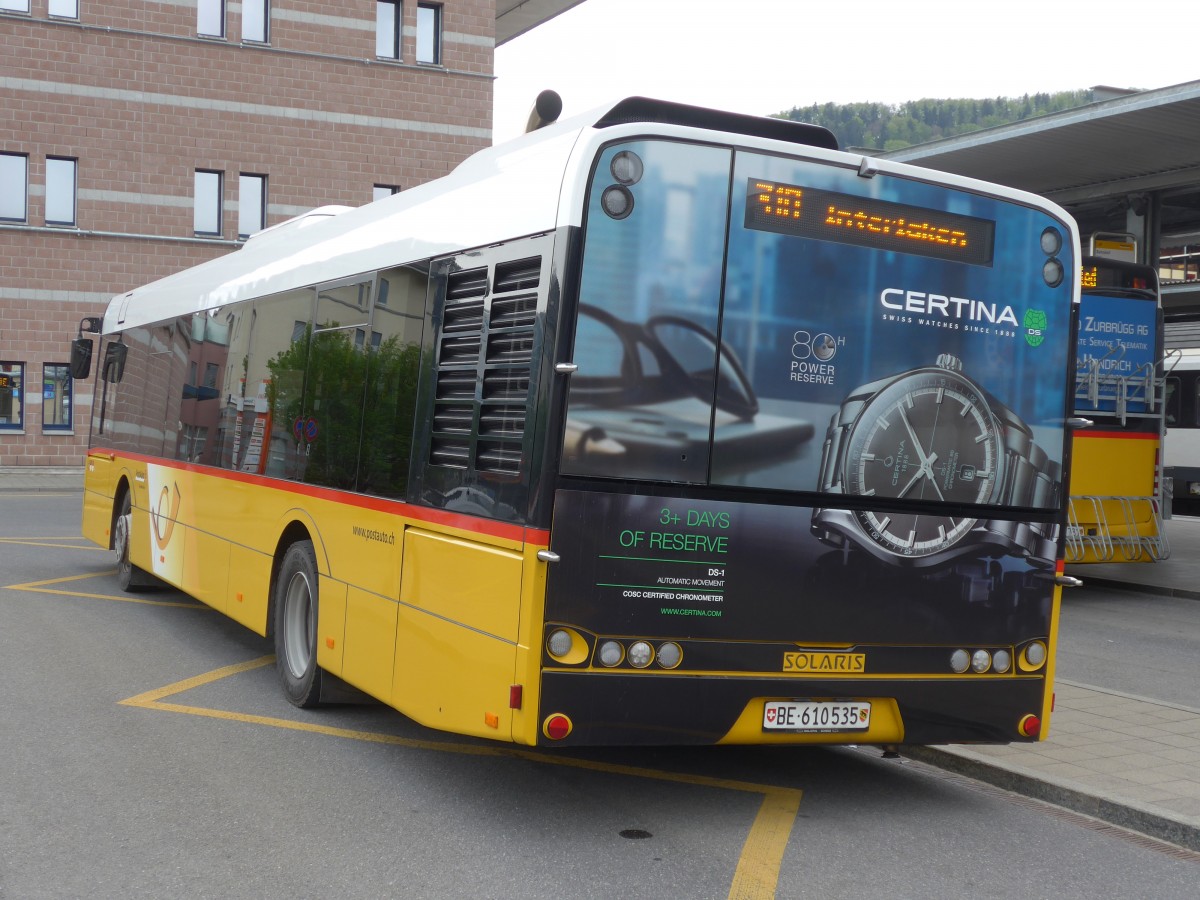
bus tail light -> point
(559, 643)
(557, 726)
(981, 661)
(1033, 657)
(669, 655)
(641, 654)
(567, 646)
(1030, 726)
(617, 201)
(611, 654)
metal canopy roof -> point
(1097, 161)
(515, 17)
(1144, 141)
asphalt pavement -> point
(1130, 761)
(1126, 760)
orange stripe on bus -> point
(460, 521)
(1124, 435)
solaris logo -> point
(1035, 327)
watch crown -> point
(947, 361)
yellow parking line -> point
(40, 493)
(39, 587)
(46, 542)
(757, 872)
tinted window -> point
(641, 404)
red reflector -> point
(557, 727)
(514, 696)
(1030, 726)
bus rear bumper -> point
(647, 709)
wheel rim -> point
(298, 625)
(121, 540)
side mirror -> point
(81, 357)
(114, 362)
(81, 347)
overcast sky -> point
(767, 56)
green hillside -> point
(879, 126)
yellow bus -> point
(657, 425)
(1116, 509)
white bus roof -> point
(530, 185)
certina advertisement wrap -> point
(752, 321)
(747, 572)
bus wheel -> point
(296, 626)
(129, 577)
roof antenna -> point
(546, 110)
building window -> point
(210, 18)
(56, 397)
(64, 9)
(252, 204)
(256, 19)
(14, 186)
(207, 209)
(60, 190)
(384, 190)
(15, 5)
(387, 29)
(12, 405)
(429, 33)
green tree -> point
(359, 404)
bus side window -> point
(207, 372)
(136, 413)
(328, 424)
(389, 407)
(1171, 402)
(268, 353)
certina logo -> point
(929, 304)
(1035, 327)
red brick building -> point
(138, 137)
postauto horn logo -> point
(1035, 327)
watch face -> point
(927, 436)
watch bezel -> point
(953, 530)
(887, 398)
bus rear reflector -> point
(556, 727)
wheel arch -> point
(297, 525)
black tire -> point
(295, 602)
(130, 578)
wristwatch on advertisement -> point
(933, 434)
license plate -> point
(816, 715)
